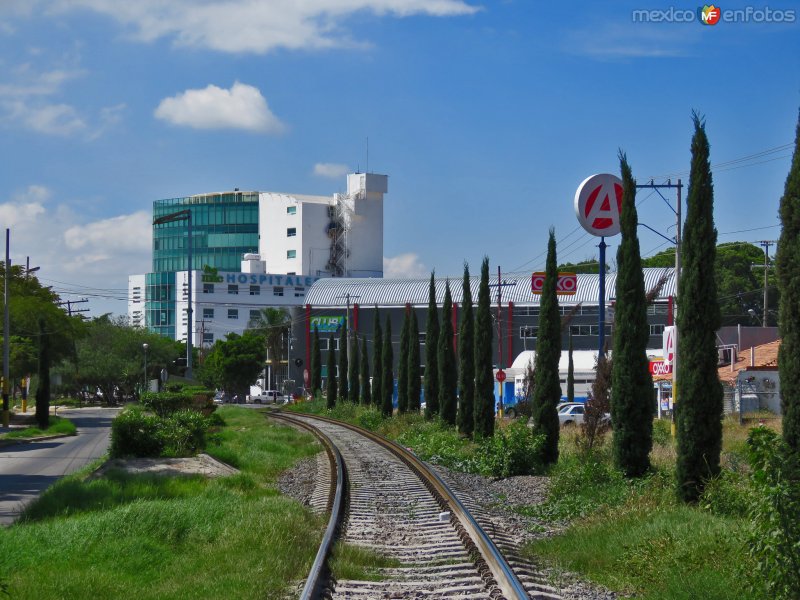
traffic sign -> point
(598, 203)
(567, 284)
(501, 376)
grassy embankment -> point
(158, 537)
(58, 426)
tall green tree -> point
(272, 324)
(316, 365)
(43, 388)
(466, 360)
(233, 363)
(377, 361)
(387, 376)
(414, 380)
(366, 393)
(402, 363)
(343, 391)
(698, 409)
(484, 374)
(355, 388)
(788, 267)
(547, 388)
(431, 355)
(331, 380)
(570, 372)
(631, 382)
(448, 375)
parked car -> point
(571, 414)
(267, 397)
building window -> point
(656, 329)
(291, 273)
(233, 289)
(277, 291)
(586, 330)
(233, 313)
(208, 313)
(291, 210)
(422, 335)
(291, 254)
(528, 332)
(526, 311)
(255, 290)
(208, 338)
(299, 292)
(291, 232)
(325, 343)
(208, 288)
(255, 314)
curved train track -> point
(382, 497)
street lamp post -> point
(144, 347)
(181, 215)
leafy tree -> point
(377, 361)
(570, 373)
(316, 365)
(43, 388)
(343, 391)
(547, 390)
(233, 363)
(788, 267)
(631, 383)
(466, 360)
(387, 377)
(698, 409)
(598, 405)
(402, 363)
(355, 388)
(414, 381)
(484, 375)
(448, 376)
(431, 355)
(366, 393)
(331, 381)
(590, 265)
(272, 324)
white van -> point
(267, 397)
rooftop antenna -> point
(367, 154)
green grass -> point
(58, 426)
(147, 537)
(356, 562)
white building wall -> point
(136, 296)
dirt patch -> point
(201, 464)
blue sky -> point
(485, 115)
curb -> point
(42, 438)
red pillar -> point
(355, 318)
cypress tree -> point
(355, 388)
(788, 269)
(387, 376)
(331, 387)
(466, 360)
(414, 383)
(316, 365)
(431, 355)
(547, 389)
(448, 376)
(366, 395)
(484, 377)
(698, 410)
(402, 364)
(631, 383)
(343, 388)
(377, 361)
(570, 373)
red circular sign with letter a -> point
(598, 203)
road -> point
(26, 470)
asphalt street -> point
(26, 470)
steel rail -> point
(312, 588)
(476, 540)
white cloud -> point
(241, 107)
(115, 235)
(248, 26)
(331, 170)
(405, 265)
(53, 119)
(615, 41)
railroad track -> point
(398, 507)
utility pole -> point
(500, 285)
(69, 304)
(766, 244)
(349, 329)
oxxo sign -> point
(660, 367)
(598, 203)
(566, 285)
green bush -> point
(134, 433)
(166, 403)
(774, 536)
(513, 450)
(729, 494)
(662, 432)
(183, 433)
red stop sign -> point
(501, 376)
